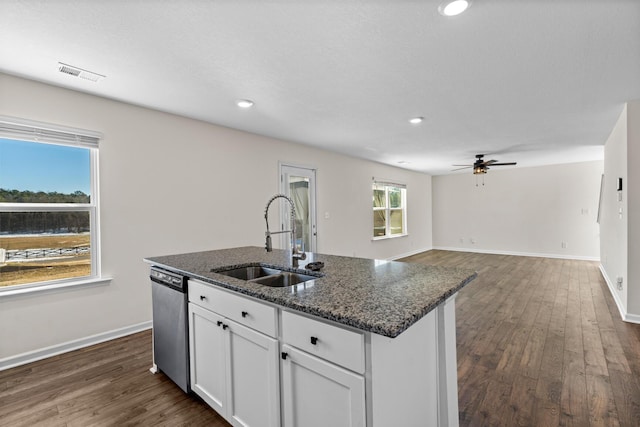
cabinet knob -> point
(202, 297)
(245, 314)
(314, 340)
(225, 326)
(219, 323)
(284, 355)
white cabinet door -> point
(252, 378)
(207, 344)
(234, 369)
(319, 393)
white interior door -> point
(299, 184)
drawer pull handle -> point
(225, 326)
(202, 297)
(245, 314)
(219, 323)
(314, 340)
(284, 355)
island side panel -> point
(414, 378)
(404, 376)
(447, 363)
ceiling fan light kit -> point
(479, 170)
(481, 166)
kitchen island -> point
(363, 342)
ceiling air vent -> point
(79, 72)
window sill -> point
(51, 287)
(389, 237)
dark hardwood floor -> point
(540, 343)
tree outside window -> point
(48, 208)
(389, 210)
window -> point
(389, 210)
(48, 204)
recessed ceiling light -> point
(404, 162)
(416, 120)
(453, 8)
(244, 103)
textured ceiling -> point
(532, 81)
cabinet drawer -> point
(240, 309)
(340, 346)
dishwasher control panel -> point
(168, 278)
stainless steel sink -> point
(249, 273)
(267, 275)
(284, 279)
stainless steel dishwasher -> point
(170, 326)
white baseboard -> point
(418, 251)
(43, 353)
(614, 293)
(529, 254)
(627, 317)
(631, 318)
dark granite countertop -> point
(384, 297)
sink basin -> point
(283, 279)
(249, 273)
(267, 276)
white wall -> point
(170, 184)
(613, 227)
(620, 228)
(633, 210)
(525, 211)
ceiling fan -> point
(481, 166)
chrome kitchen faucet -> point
(295, 255)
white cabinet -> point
(325, 374)
(318, 393)
(208, 359)
(235, 369)
(335, 344)
(317, 390)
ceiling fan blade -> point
(504, 164)
(462, 165)
(490, 162)
(466, 167)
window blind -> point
(388, 183)
(29, 130)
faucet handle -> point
(267, 244)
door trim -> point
(313, 217)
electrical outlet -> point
(619, 281)
(473, 241)
(564, 245)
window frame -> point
(388, 209)
(31, 131)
